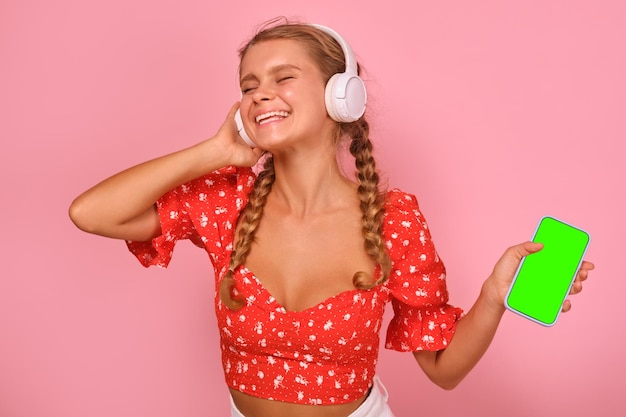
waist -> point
(299, 382)
(374, 403)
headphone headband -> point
(350, 59)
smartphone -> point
(543, 279)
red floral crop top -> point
(326, 354)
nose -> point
(263, 92)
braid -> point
(250, 218)
(372, 203)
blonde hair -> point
(328, 55)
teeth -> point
(263, 118)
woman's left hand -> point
(577, 286)
(502, 276)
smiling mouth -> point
(271, 116)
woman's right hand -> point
(233, 145)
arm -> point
(475, 331)
(123, 206)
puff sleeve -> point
(423, 319)
(203, 210)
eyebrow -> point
(273, 70)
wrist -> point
(491, 295)
(207, 156)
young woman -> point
(305, 258)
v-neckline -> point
(270, 300)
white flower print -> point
(351, 377)
(326, 350)
(301, 380)
(278, 381)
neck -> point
(306, 184)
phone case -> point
(544, 279)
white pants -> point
(375, 405)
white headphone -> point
(345, 94)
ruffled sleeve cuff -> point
(423, 328)
(158, 251)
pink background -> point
(493, 113)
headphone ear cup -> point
(242, 130)
(345, 97)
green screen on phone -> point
(543, 279)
